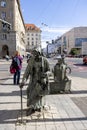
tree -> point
(74, 51)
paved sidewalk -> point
(63, 111)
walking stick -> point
(21, 111)
(21, 106)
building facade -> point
(75, 38)
(10, 11)
(33, 37)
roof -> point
(32, 27)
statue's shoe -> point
(38, 109)
(30, 111)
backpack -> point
(12, 70)
(16, 63)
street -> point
(4, 69)
(76, 65)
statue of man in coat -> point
(36, 72)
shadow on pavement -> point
(13, 93)
(5, 78)
(8, 116)
(59, 119)
(6, 84)
(79, 92)
(11, 84)
(81, 65)
(11, 116)
(8, 78)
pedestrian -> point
(37, 69)
(17, 63)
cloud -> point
(56, 29)
(52, 33)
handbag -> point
(12, 70)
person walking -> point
(17, 63)
(37, 69)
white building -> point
(33, 37)
(75, 38)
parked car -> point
(85, 60)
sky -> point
(54, 17)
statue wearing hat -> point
(60, 70)
(36, 72)
(61, 80)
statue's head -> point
(35, 52)
(60, 60)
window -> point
(4, 36)
(11, 14)
(3, 15)
(64, 40)
(78, 41)
(4, 26)
(3, 3)
(32, 43)
(28, 43)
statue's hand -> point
(21, 85)
(68, 70)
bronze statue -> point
(60, 70)
(61, 81)
(37, 69)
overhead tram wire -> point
(76, 3)
(50, 1)
(74, 9)
(44, 9)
